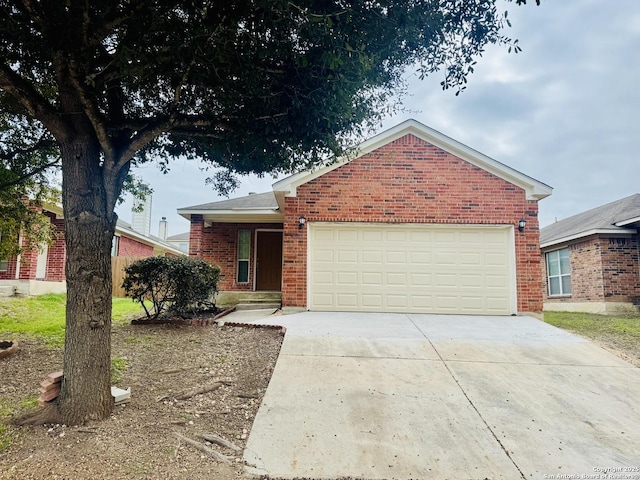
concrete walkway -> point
(398, 396)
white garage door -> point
(411, 268)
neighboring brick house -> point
(37, 272)
(416, 222)
(590, 260)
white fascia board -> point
(629, 221)
(588, 233)
(230, 211)
(252, 215)
(54, 208)
(534, 189)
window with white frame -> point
(559, 272)
(244, 249)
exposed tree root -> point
(47, 414)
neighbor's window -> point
(559, 272)
(244, 247)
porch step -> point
(257, 306)
(257, 303)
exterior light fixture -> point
(301, 221)
(521, 224)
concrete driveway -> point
(394, 396)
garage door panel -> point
(420, 258)
(419, 280)
(374, 257)
(471, 281)
(399, 257)
(372, 300)
(397, 236)
(445, 280)
(470, 259)
(323, 300)
(346, 235)
(372, 236)
(346, 300)
(372, 279)
(411, 268)
(397, 301)
(323, 256)
(347, 256)
(323, 278)
(445, 258)
(397, 279)
(422, 302)
(495, 259)
(347, 278)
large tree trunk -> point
(89, 226)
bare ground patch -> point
(139, 440)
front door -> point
(268, 261)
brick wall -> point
(409, 180)
(218, 244)
(586, 273)
(128, 247)
(57, 252)
(10, 272)
(602, 270)
(620, 269)
(29, 258)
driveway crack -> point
(493, 434)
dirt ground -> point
(139, 441)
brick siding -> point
(405, 181)
(29, 258)
(603, 269)
(128, 247)
(218, 244)
(412, 181)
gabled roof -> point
(257, 207)
(613, 218)
(535, 190)
(125, 229)
(179, 237)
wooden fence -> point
(117, 271)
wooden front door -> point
(269, 261)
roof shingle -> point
(599, 218)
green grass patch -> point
(594, 326)
(5, 410)
(43, 316)
(5, 438)
(119, 366)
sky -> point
(565, 111)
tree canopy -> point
(249, 86)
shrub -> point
(176, 285)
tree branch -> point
(38, 106)
(39, 145)
(24, 177)
(154, 128)
(93, 114)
